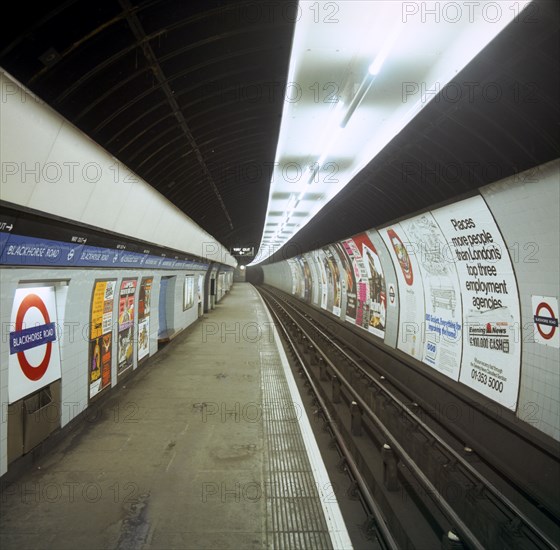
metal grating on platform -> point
(295, 518)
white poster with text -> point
(411, 291)
(442, 335)
(491, 317)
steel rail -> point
(363, 487)
(502, 501)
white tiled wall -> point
(75, 338)
(50, 160)
(279, 276)
(526, 210)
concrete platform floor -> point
(188, 454)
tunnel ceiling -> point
(186, 93)
(189, 94)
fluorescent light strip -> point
(403, 48)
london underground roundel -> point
(34, 355)
(545, 319)
(402, 256)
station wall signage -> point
(34, 360)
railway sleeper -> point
(356, 419)
(485, 520)
(336, 390)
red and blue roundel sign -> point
(545, 318)
(34, 355)
(402, 256)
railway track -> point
(420, 485)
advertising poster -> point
(301, 291)
(295, 276)
(411, 291)
(200, 288)
(100, 363)
(320, 262)
(306, 278)
(352, 278)
(188, 290)
(491, 317)
(221, 279)
(314, 278)
(334, 280)
(375, 318)
(346, 274)
(362, 315)
(144, 299)
(34, 360)
(127, 295)
(443, 337)
(330, 280)
(101, 336)
(294, 272)
(99, 317)
(301, 277)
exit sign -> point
(243, 251)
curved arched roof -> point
(189, 95)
